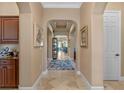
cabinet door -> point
(17, 71)
(10, 30)
(1, 76)
(0, 29)
(10, 76)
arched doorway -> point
(61, 47)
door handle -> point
(117, 55)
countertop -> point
(7, 58)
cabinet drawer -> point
(7, 62)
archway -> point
(65, 32)
(24, 54)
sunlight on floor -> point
(61, 55)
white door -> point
(112, 43)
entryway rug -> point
(66, 64)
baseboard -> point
(97, 88)
(121, 78)
(36, 85)
(88, 84)
(84, 79)
(78, 72)
(45, 72)
(25, 88)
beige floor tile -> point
(114, 85)
(62, 80)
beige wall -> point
(30, 57)
(119, 7)
(72, 45)
(59, 14)
(85, 53)
(37, 58)
(91, 58)
(49, 44)
(25, 50)
(9, 9)
(97, 49)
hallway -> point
(61, 50)
(58, 47)
(62, 80)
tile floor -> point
(114, 85)
(69, 80)
(62, 80)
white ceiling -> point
(61, 4)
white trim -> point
(85, 80)
(89, 86)
(120, 44)
(25, 88)
(97, 88)
(78, 72)
(45, 72)
(115, 11)
(121, 78)
(36, 85)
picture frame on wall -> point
(84, 37)
(37, 36)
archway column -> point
(97, 45)
(97, 50)
(25, 43)
(30, 58)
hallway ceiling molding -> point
(61, 4)
(61, 25)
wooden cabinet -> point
(9, 73)
(1, 76)
(10, 76)
(0, 30)
(9, 30)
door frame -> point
(116, 11)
